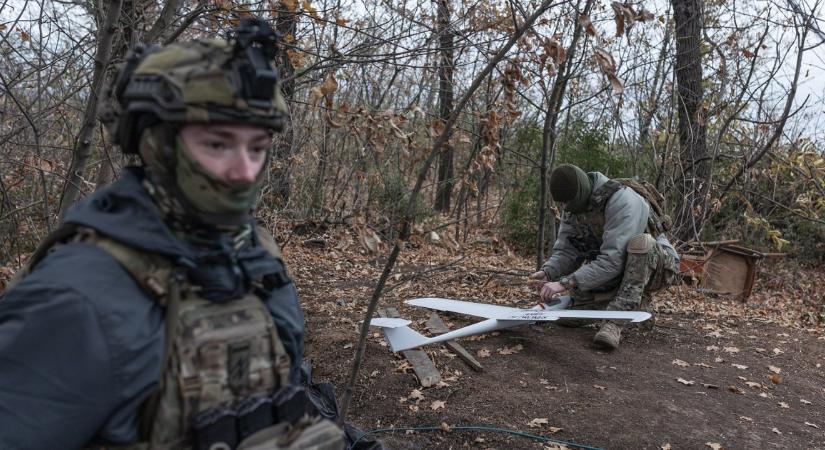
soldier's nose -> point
(243, 169)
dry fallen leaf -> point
(601, 388)
(444, 427)
(731, 349)
(416, 395)
(438, 404)
(776, 379)
(739, 366)
(736, 390)
(483, 353)
(710, 386)
(812, 425)
(681, 363)
(753, 384)
(714, 445)
(538, 422)
(784, 405)
(686, 382)
(511, 350)
(804, 402)
(774, 369)
(666, 447)
(746, 418)
(711, 348)
(554, 430)
(775, 430)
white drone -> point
(402, 337)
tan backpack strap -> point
(151, 271)
(268, 242)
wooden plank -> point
(436, 325)
(423, 367)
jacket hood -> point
(125, 212)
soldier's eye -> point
(216, 145)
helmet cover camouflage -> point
(199, 82)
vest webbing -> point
(657, 221)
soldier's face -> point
(233, 153)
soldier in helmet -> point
(618, 228)
(159, 314)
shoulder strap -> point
(660, 222)
(150, 271)
(268, 242)
(599, 197)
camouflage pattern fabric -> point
(208, 91)
(649, 268)
(183, 189)
(193, 82)
(208, 193)
(220, 353)
(308, 433)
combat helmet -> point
(200, 81)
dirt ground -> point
(712, 373)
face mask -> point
(205, 197)
(206, 192)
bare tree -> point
(694, 170)
(445, 101)
(83, 143)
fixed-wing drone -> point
(402, 337)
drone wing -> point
(533, 315)
(484, 310)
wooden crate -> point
(724, 269)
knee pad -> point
(641, 243)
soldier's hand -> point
(537, 280)
(550, 290)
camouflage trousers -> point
(649, 268)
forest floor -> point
(713, 373)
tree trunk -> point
(445, 100)
(82, 147)
(286, 24)
(549, 135)
(693, 154)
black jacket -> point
(81, 343)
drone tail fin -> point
(399, 335)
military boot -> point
(608, 336)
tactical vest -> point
(588, 226)
(225, 370)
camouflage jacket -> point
(81, 344)
(625, 215)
